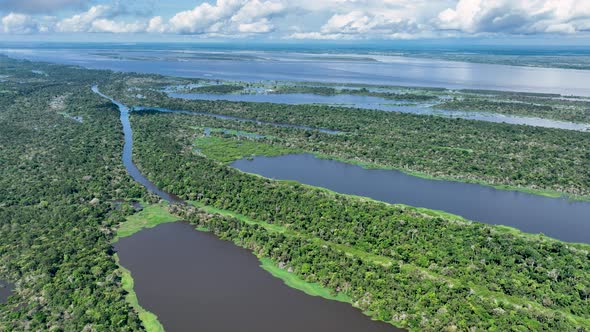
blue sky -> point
(282, 20)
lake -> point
(556, 217)
(195, 282)
(257, 65)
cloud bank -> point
(307, 19)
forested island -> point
(65, 193)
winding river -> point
(193, 281)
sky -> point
(300, 20)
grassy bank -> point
(149, 320)
(317, 290)
(228, 150)
(151, 216)
(293, 281)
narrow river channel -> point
(193, 281)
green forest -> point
(403, 255)
(542, 160)
(65, 194)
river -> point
(195, 281)
(556, 217)
(266, 65)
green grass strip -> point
(151, 216)
(149, 320)
(293, 281)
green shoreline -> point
(539, 192)
(227, 154)
(157, 214)
(315, 290)
(151, 216)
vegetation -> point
(396, 263)
(293, 281)
(149, 217)
(149, 320)
(418, 96)
(59, 183)
(65, 196)
(227, 149)
(217, 89)
(574, 111)
(533, 159)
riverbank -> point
(228, 150)
(149, 217)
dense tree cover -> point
(418, 96)
(421, 270)
(62, 182)
(493, 153)
(57, 183)
(218, 88)
(574, 111)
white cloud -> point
(156, 25)
(83, 22)
(105, 25)
(516, 16)
(19, 24)
(320, 19)
(223, 17)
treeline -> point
(417, 270)
(421, 96)
(217, 89)
(576, 112)
(527, 157)
(58, 183)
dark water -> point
(195, 282)
(555, 217)
(229, 117)
(293, 66)
(6, 289)
(382, 104)
(128, 153)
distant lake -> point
(555, 217)
(292, 66)
(194, 281)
